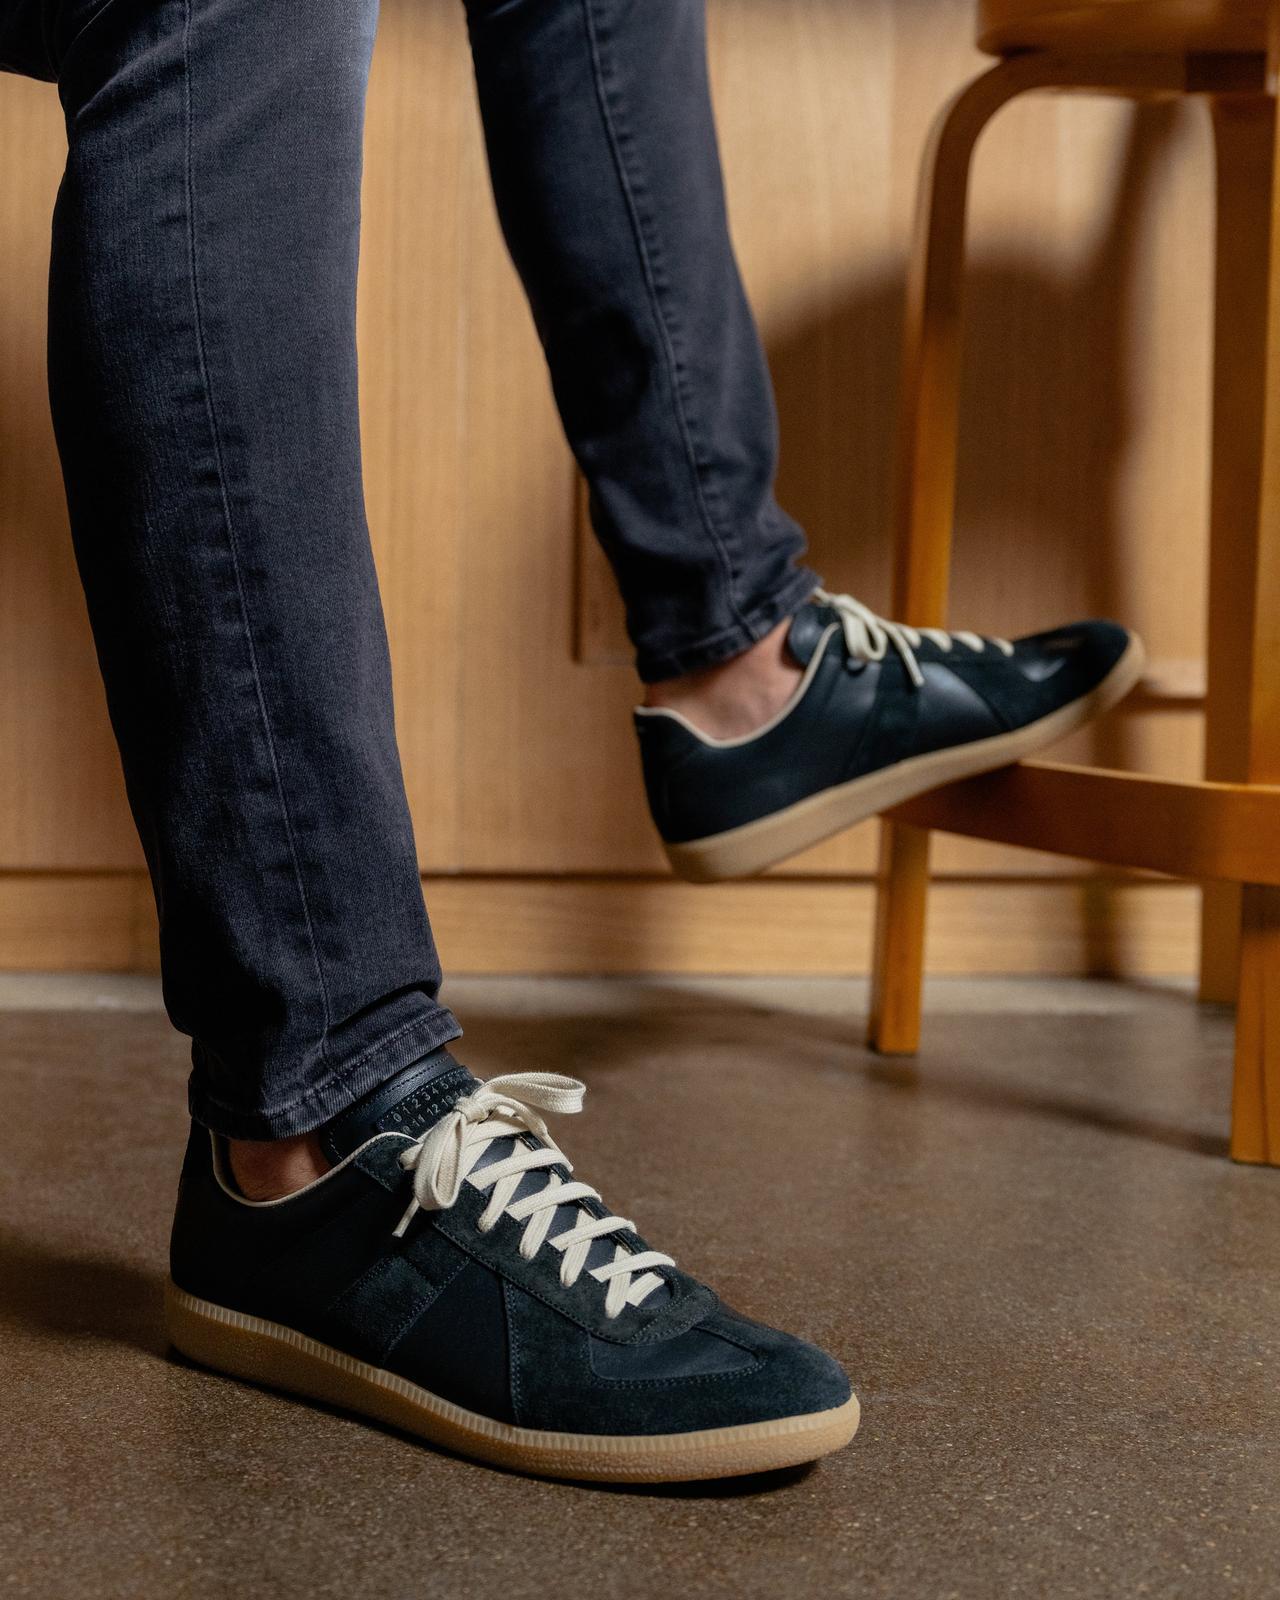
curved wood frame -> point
(1008, 25)
(1227, 830)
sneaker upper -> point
(873, 693)
(522, 1298)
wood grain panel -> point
(61, 797)
(415, 304)
(1083, 455)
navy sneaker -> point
(450, 1278)
(882, 713)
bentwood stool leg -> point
(925, 497)
(1242, 134)
(926, 477)
(1242, 129)
(1243, 733)
(926, 462)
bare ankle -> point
(269, 1169)
(738, 696)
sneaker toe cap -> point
(1085, 665)
(1072, 660)
(791, 1377)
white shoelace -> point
(868, 636)
(445, 1158)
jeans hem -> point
(344, 1086)
(730, 642)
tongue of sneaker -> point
(411, 1102)
(414, 1101)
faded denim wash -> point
(202, 373)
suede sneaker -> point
(449, 1277)
(882, 712)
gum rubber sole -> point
(267, 1353)
(744, 851)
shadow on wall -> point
(1046, 426)
(1044, 432)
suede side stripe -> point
(372, 1315)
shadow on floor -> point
(558, 1040)
(974, 1092)
(66, 1295)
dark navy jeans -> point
(203, 380)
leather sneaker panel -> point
(457, 1347)
(883, 713)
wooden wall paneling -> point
(61, 796)
(599, 623)
(420, 175)
(547, 776)
(77, 921)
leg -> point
(440, 1271)
(1220, 914)
(607, 178)
(605, 169)
(202, 367)
(1243, 735)
(1243, 173)
(1255, 1105)
(897, 974)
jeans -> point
(202, 374)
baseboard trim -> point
(493, 925)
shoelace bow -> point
(867, 636)
(445, 1158)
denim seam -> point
(648, 255)
(336, 1079)
(229, 526)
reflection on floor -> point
(1059, 1301)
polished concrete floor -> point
(1059, 1301)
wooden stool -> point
(1225, 830)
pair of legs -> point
(359, 1219)
(203, 378)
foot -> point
(270, 1169)
(739, 695)
(883, 712)
(447, 1276)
